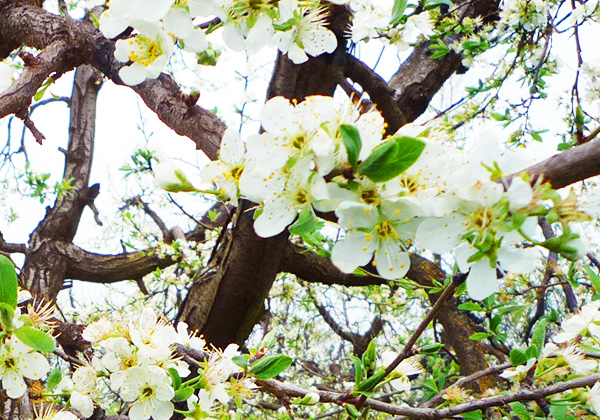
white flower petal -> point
(481, 281)
(355, 250)
(391, 262)
(276, 216)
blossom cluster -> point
(392, 193)
(375, 19)
(136, 355)
(24, 337)
(139, 358)
(528, 14)
(296, 27)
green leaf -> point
(352, 141)
(268, 340)
(7, 315)
(352, 411)
(538, 335)
(594, 278)
(398, 11)
(498, 117)
(435, 3)
(270, 366)
(520, 410)
(358, 370)
(35, 339)
(369, 356)
(518, 357)
(532, 352)
(471, 306)
(241, 361)
(391, 158)
(175, 378)
(559, 412)
(432, 348)
(183, 394)
(370, 383)
(473, 415)
(479, 336)
(8, 282)
(53, 379)
(306, 223)
(495, 322)
(439, 54)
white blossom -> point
(19, 361)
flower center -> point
(302, 197)
(148, 51)
(409, 183)
(299, 142)
(370, 196)
(385, 230)
(482, 218)
(10, 363)
(148, 392)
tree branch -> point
(77, 42)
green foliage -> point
(53, 379)
(390, 159)
(35, 339)
(270, 366)
(8, 282)
(351, 138)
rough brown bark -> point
(228, 299)
(45, 266)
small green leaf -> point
(520, 410)
(432, 348)
(471, 306)
(370, 355)
(8, 282)
(391, 158)
(370, 383)
(495, 322)
(306, 222)
(479, 336)
(7, 315)
(358, 369)
(559, 412)
(538, 335)
(241, 361)
(352, 411)
(35, 339)
(53, 379)
(398, 11)
(518, 357)
(175, 378)
(183, 394)
(270, 366)
(473, 415)
(594, 278)
(532, 352)
(352, 141)
(268, 340)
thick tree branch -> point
(566, 168)
(18, 97)
(22, 24)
